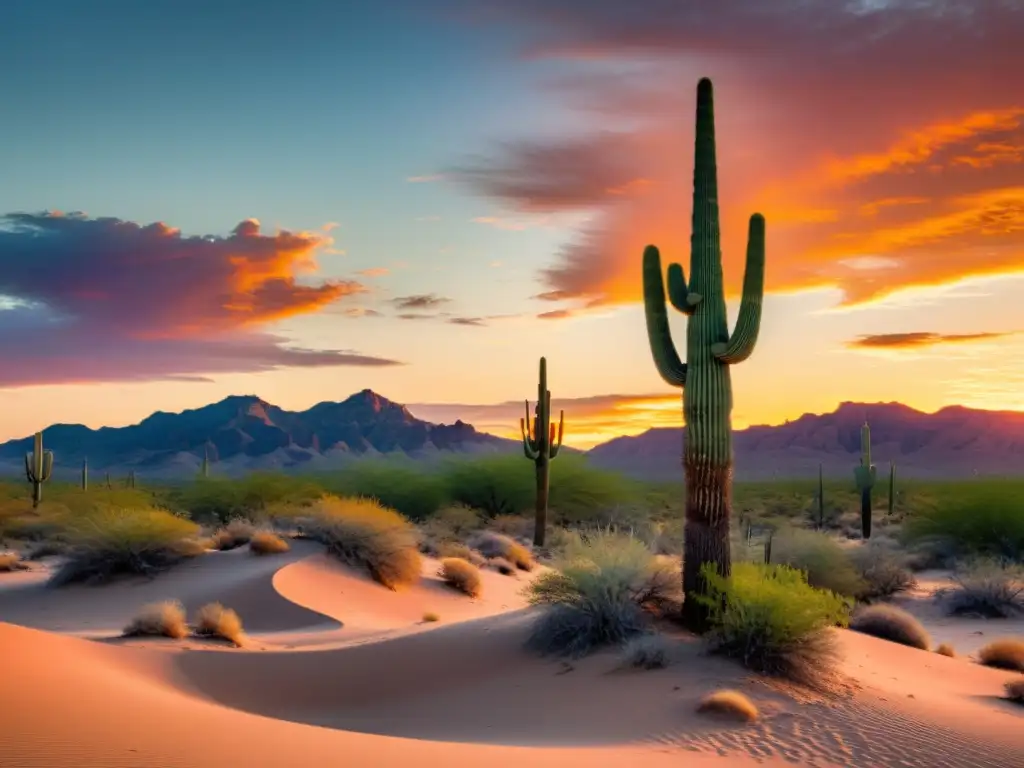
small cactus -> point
(85, 474)
(541, 443)
(38, 468)
(864, 474)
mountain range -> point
(244, 433)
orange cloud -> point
(918, 339)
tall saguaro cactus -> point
(710, 351)
(541, 442)
(864, 474)
(38, 468)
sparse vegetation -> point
(825, 564)
(649, 651)
(462, 575)
(1005, 653)
(731, 704)
(983, 518)
(491, 544)
(364, 534)
(430, 617)
(891, 623)
(1015, 690)
(268, 543)
(164, 619)
(11, 561)
(235, 534)
(772, 621)
(945, 649)
(601, 594)
(215, 621)
(986, 587)
(462, 551)
(882, 570)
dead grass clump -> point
(647, 652)
(888, 622)
(364, 534)
(502, 566)
(166, 619)
(945, 649)
(12, 561)
(1015, 690)
(213, 620)
(268, 543)
(430, 617)
(454, 549)
(492, 544)
(731, 704)
(1005, 653)
(986, 587)
(112, 542)
(882, 569)
(236, 533)
(462, 575)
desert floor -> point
(338, 671)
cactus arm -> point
(744, 336)
(678, 293)
(666, 359)
(47, 466)
(556, 440)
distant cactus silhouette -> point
(38, 468)
(892, 488)
(821, 498)
(541, 443)
(710, 351)
(131, 479)
(205, 469)
(85, 474)
(864, 474)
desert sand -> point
(337, 670)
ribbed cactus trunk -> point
(38, 468)
(710, 351)
(864, 473)
(541, 444)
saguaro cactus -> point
(85, 474)
(864, 474)
(38, 468)
(541, 442)
(710, 351)
(892, 488)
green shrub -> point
(986, 587)
(408, 488)
(365, 534)
(216, 500)
(891, 623)
(825, 564)
(974, 518)
(601, 594)
(111, 542)
(773, 621)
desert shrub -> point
(648, 651)
(429, 617)
(515, 526)
(882, 570)
(218, 500)
(124, 541)
(1015, 690)
(49, 548)
(462, 575)
(599, 595)
(985, 587)
(770, 619)
(452, 549)
(12, 561)
(945, 649)
(233, 535)
(974, 518)
(450, 525)
(364, 534)
(825, 564)
(165, 619)
(268, 543)
(216, 621)
(1005, 653)
(407, 488)
(491, 544)
(502, 566)
(731, 704)
(888, 622)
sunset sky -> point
(301, 200)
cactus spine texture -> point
(38, 468)
(541, 442)
(864, 474)
(85, 474)
(710, 351)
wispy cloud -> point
(421, 301)
(919, 339)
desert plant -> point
(825, 564)
(972, 518)
(888, 622)
(85, 474)
(216, 621)
(710, 353)
(986, 587)
(772, 621)
(429, 617)
(111, 542)
(732, 704)
(882, 570)
(599, 595)
(864, 474)
(945, 649)
(1005, 653)
(453, 549)
(491, 544)
(267, 543)
(398, 484)
(11, 561)
(647, 651)
(1015, 690)
(164, 619)
(541, 443)
(38, 468)
(461, 575)
(362, 533)
(237, 532)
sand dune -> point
(368, 683)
